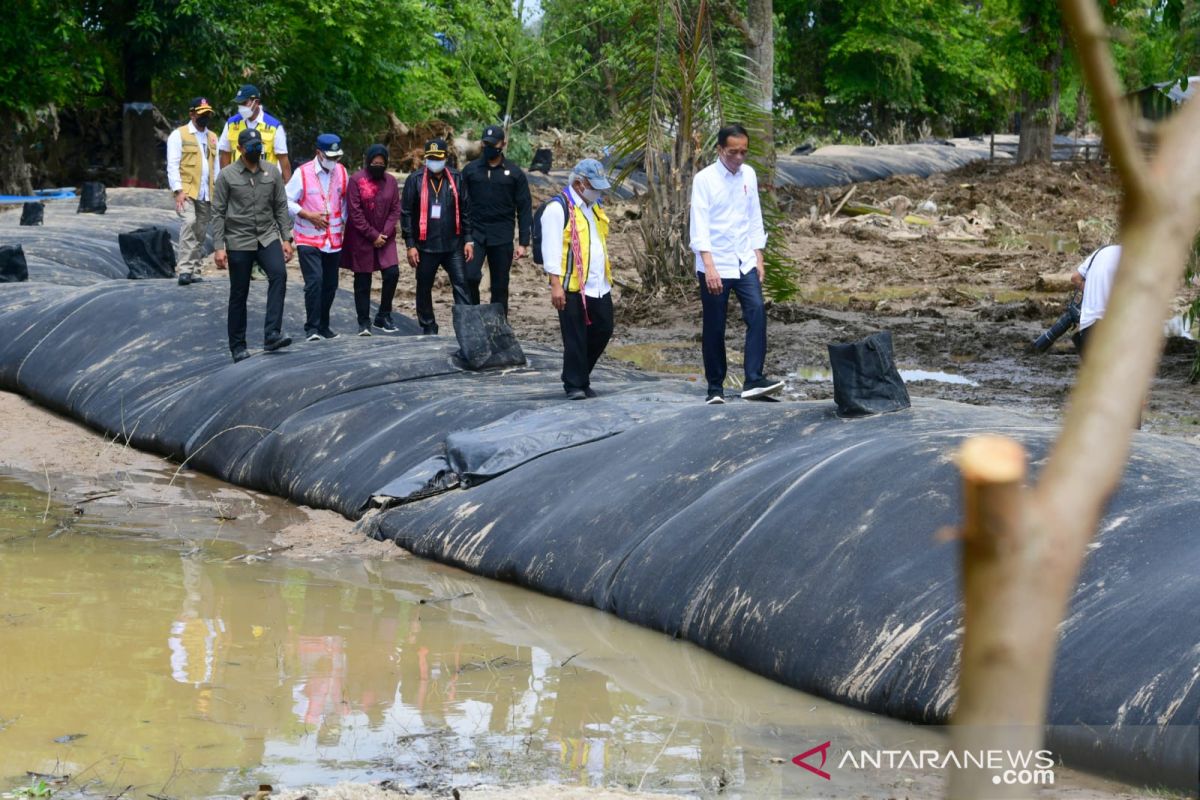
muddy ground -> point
(960, 295)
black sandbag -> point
(33, 213)
(543, 160)
(148, 253)
(865, 378)
(13, 268)
(485, 340)
(801, 548)
(92, 198)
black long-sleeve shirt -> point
(498, 194)
(440, 236)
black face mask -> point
(254, 152)
(201, 122)
(490, 151)
(377, 171)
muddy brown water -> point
(156, 649)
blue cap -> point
(593, 170)
(247, 92)
(330, 144)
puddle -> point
(909, 376)
(137, 652)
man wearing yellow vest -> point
(317, 201)
(574, 253)
(191, 172)
(251, 114)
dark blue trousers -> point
(715, 306)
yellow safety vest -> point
(190, 167)
(572, 279)
(267, 127)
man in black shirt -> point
(499, 191)
(435, 216)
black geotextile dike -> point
(801, 546)
(92, 198)
(148, 252)
(13, 266)
(865, 378)
(485, 340)
(33, 213)
(869, 164)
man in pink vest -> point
(317, 199)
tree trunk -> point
(139, 136)
(14, 172)
(1083, 111)
(760, 18)
(1040, 116)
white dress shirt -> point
(175, 153)
(1098, 270)
(726, 219)
(554, 222)
(281, 146)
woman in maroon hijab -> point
(373, 206)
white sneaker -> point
(763, 387)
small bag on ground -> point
(485, 339)
(865, 378)
(33, 213)
(148, 252)
(93, 198)
(13, 268)
(543, 160)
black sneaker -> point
(429, 331)
(385, 324)
(196, 278)
(278, 343)
(328, 334)
(715, 399)
(589, 392)
(365, 330)
(240, 355)
(313, 337)
(763, 387)
(185, 278)
(576, 394)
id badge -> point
(435, 211)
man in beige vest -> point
(191, 173)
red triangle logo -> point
(823, 749)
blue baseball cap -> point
(330, 144)
(247, 92)
(593, 170)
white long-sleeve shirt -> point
(554, 222)
(726, 219)
(295, 191)
(175, 153)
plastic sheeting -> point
(776, 535)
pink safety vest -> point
(313, 198)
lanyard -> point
(577, 251)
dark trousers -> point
(715, 306)
(583, 344)
(362, 295)
(320, 271)
(499, 258)
(270, 258)
(427, 267)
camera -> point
(1067, 320)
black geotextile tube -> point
(148, 252)
(778, 536)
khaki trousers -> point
(196, 216)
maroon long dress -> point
(373, 207)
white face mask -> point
(246, 111)
(327, 164)
(435, 166)
(591, 195)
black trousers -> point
(427, 267)
(320, 271)
(583, 344)
(499, 259)
(362, 294)
(270, 258)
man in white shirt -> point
(316, 197)
(1095, 276)
(191, 173)
(574, 234)
(728, 238)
